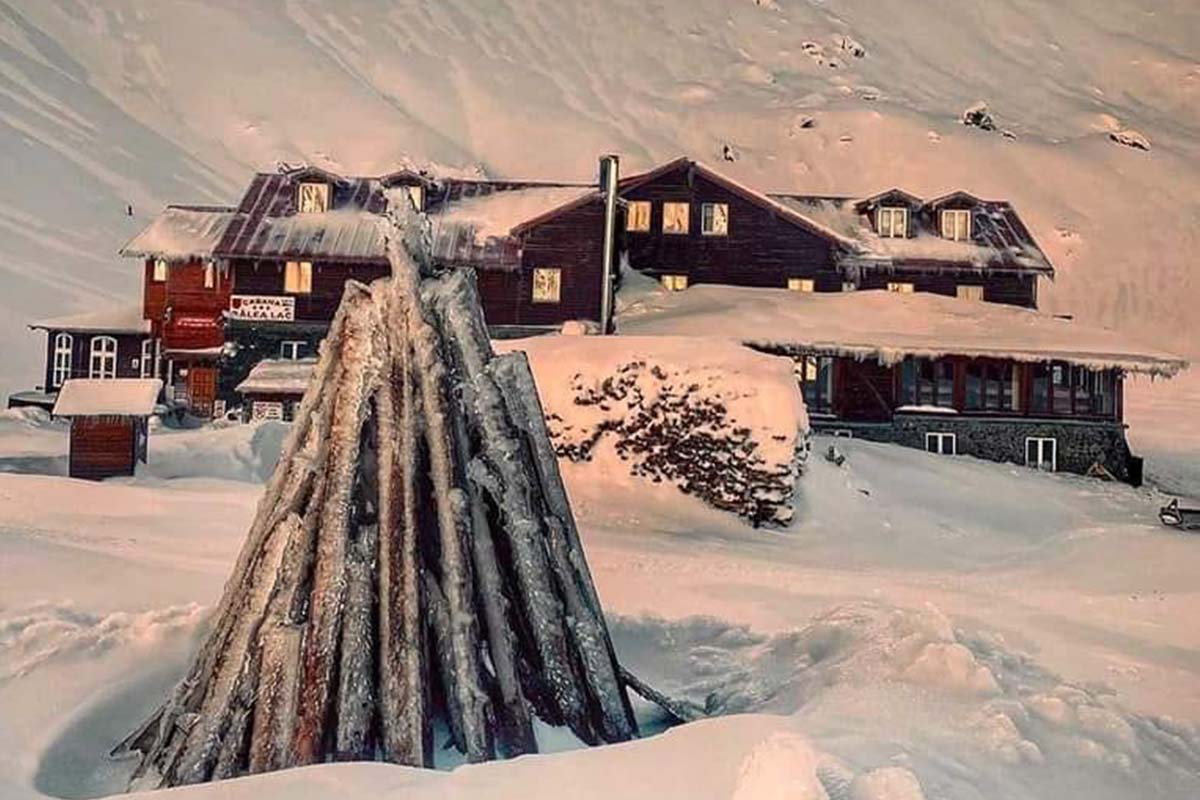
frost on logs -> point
(414, 566)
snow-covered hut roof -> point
(181, 232)
(119, 319)
(498, 213)
(123, 397)
(887, 326)
(349, 234)
(279, 376)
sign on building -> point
(270, 308)
(263, 409)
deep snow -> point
(972, 629)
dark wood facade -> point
(128, 362)
(106, 446)
(762, 246)
(187, 309)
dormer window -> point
(892, 222)
(312, 198)
(956, 224)
(417, 195)
(159, 274)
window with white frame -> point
(547, 285)
(103, 357)
(297, 277)
(956, 224)
(802, 284)
(965, 292)
(146, 363)
(62, 359)
(637, 216)
(900, 287)
(714, 219)
(1041, 453)
(944, 444)
(675, 218)
(292, 350)
(674, 283)
(891, 222)
(312, 198)
(158, 272)
(210, 275)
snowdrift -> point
(718, 421)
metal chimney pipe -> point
(609, 179)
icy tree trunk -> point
(413, 566)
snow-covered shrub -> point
(716, 420)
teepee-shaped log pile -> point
(414, 567)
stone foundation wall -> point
(1080, 443)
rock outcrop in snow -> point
(718, 421)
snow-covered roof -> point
(181, 232)
(887, 326)
(279, 376)
(999, 238)
(496, 214)
(126, 397)
(119, 319)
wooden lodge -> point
(938, 373)
(109, 430)
(233, 293)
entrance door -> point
(202, 390)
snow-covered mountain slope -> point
(105, 103)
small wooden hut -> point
(109, 432)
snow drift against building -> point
(888, 326)
(715, 419)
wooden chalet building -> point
(232, 294)
(938, 373)
(102, 344)
(687, 224)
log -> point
(413, 565)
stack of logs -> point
(414, 566)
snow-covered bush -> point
(720, 422)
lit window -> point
(802, 284)
(675, 218)
(160, 270)
(849, 286)
(210, 275)
(892, 222)
(714, 219)
(547, 284)
(956, 224)
(103, 363)
(297, 277)
(292, 350)
(674, 283)
(900, 288)
(312, 198)
(970, 292)
(637, 216)
(417, 195)
(62, 359)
